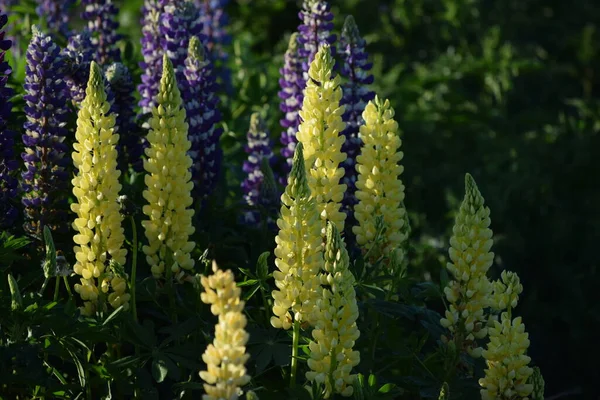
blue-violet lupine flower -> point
(45, 178)
(78, 56)
(291, 96)
(214, 21)
(101, 16)
(130, 146)
(355, 70)
(8, 183)
(315, 31)
(257, 148)
(152, 52)
(203, 118)
(56, 14)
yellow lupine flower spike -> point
(226, 356)
(380, 192)
(299, 256)
(320, 133)
(331, 355)
(470, 259)
(507, 372)
(168, 182)
(96, 187)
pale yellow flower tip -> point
(225, 358)
(298, 254)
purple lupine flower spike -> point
(257, 148)
(355, 69)
(315, 31)
(8, 164)
(291, 103)
(56, 14)
(78, 56)
(203, 118)
(101, 16)
(214, 21)
(130, 146)
(152, 53)
(45, 178)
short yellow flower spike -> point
(507, 373)
(320, 133)
(299, 256)
(331, 355)
(96, 187)
(168, 182)
(380, 192)
(470, 291)
(226, 356)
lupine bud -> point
(380, 190)
(291, 95)
(507, 373)
(151, 52)
(444, 392)
(203, 118)
(56, 14)
(101, 17)
(258, 149)
(226, 356)
(16, 300)
(214, 21)
(538, 384)
(78, 56)
(8, 164)
(470, 260)
(46, 175)
(355, 69)
(96, 187)
(168, 182)
(130, 143)
(335, 332)
(299, 256)
(319, 132)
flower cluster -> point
(152, 54)
(46, 175)
(203, 118)
(130, 145)
(537, 380)
(331, 355)
(226, 356)
(505, 291)
(470, 291)
(101, 17)
(56, 14)
(78, 56)
(379, 189)
(96, 186)
(8, 184)
(299, 251)
(214, 21)
(258, 149)
(291, 95)
(168, 182)
(319, 132)
(507, 372)
(315, 31)
(355, 69)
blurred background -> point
(505, 90)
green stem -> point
(295, 341)
(56, 287)
(266, 304)
(68, 287)
(170, 286)
(133, 270)
(46, 280)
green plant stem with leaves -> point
(294, 363)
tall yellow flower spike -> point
(331, 355)
(470, 291)
(320, 133)
(380, 192)
(226, 356)
(168, 182)
(96, 187)
(299, 256)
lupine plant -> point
(56, 13)
(46, 163)
(78, 56)
(152, 54)
(214, 28)
(101, 17)
(8, 163)
(314, 32)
